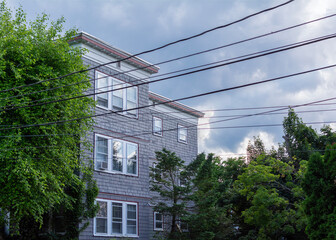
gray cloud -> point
(135, 26)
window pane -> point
(102, 85)
(182, 133)
(102, 100)
(117, 149)
(132, 151)
(158, 225)
(131, 167)
(131, 219)
(101, 153)
(132, 158)
(117, 95)
(117, 103)
(158, 216)
(116, 217)
(131, 212)
(131, 105)
(132, 94)
(117, 164)
(102, 212)
(116, 227)
(102, 145)
(101, 225)
(132, 100)
(101, 218)
(117, 156)
(157, 125)
(131, 227)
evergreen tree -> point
(170, 180)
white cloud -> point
(204, 134)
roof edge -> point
(115, 52)
(176, 105)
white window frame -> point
(180, 128)
(124, 219)
(157, 132)
(125, 92)
(125, 158)
(155, 221)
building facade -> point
(133, 124)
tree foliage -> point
(320, 187)
(212, 182)
(41, 164)
(170, 181)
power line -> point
(173, 119)
(235, 118)
(264, 125)
(170, 101)
(264, 53)
(167, 61)
(175, 59)
(223, 127)
(157, 48)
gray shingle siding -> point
(121, 187)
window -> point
(157, 126)
(117, 100)
(113, 155)
(158, 221)
(182, 133)
(116, 218)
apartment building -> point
(134, 124)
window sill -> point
(157, 135)
(119, 113)
(184, 142)
(117, 173)
(119, 236)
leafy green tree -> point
(320, 187)
(170, 180)
(211, 218)
(300, 140)
(42, 169)
(270, 184)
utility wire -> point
(263, 53)
(171, 119)
(222, 127)
(264, 125)
(155, 49)
(171, 60)
(230, 119)
(170, 101)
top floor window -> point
(182, 133)
(117, 156)
(157, 126)
(116, 100)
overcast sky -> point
(135, 26)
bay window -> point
(116, 100)
(114, 155)
(116, 218)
